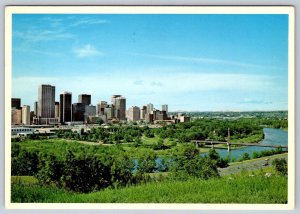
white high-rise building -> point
(149, 108)
(164, 108)
(26, 115)
(133, 113)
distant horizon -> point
(197, 62)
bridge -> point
(229, 144)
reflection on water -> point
(272, 136)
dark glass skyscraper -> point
(84, 98)
(46, 101)
(78, 111)
(65, 105)
(16, 103)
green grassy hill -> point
(245, 188)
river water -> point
(277, 137)
(272, 137)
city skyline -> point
(190, 62)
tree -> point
(99, 121)
(162, 165)
(190, 152)
(26, 163)
(159, 145)
(280, 166)
(85, 174)
(214, 156)
(137, 142)
(51, 170)
(146, 163)
(121, 170)
(246, 156)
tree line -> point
(86, 172)
(242, 129)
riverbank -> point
(250, 165)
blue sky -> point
(191, 62)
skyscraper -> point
(35, 108)
(133, 113)
(16, 103)
(109, 112)
(101, 107)
(57, 109)
(84, 98)
(78, 110)
(120, 107)
(143, 112)
(113, 99)
(26, 115)
(90, 110)
(149, 108)
(16, 116)
(65, 105)
(46, 101)
(164, 108)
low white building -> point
(21, 131)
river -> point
(272, 137)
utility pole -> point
(228, 139)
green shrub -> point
(280, 166)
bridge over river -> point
(229, 144)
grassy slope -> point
(229, 189)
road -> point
(249, 165)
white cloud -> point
(179, 89)
(87, 51)
(202, 60)
(88, 21)
(39, 35)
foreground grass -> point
(230, 189)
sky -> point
(192, 62)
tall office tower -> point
(65, 106)
(35, 108)
(16, 103)
(120, 108)
(133, 113)
(46, 101)
(16, 116)
(57, 109)
(90, 110)
(84, 98)
(164, 108)
(149, 118)
(143, 113)
(26, 115)
(149, 108)
(109, 112)
(31, 116)
(161, 115)
(78, 110)
(113, 99)
(101, 107)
